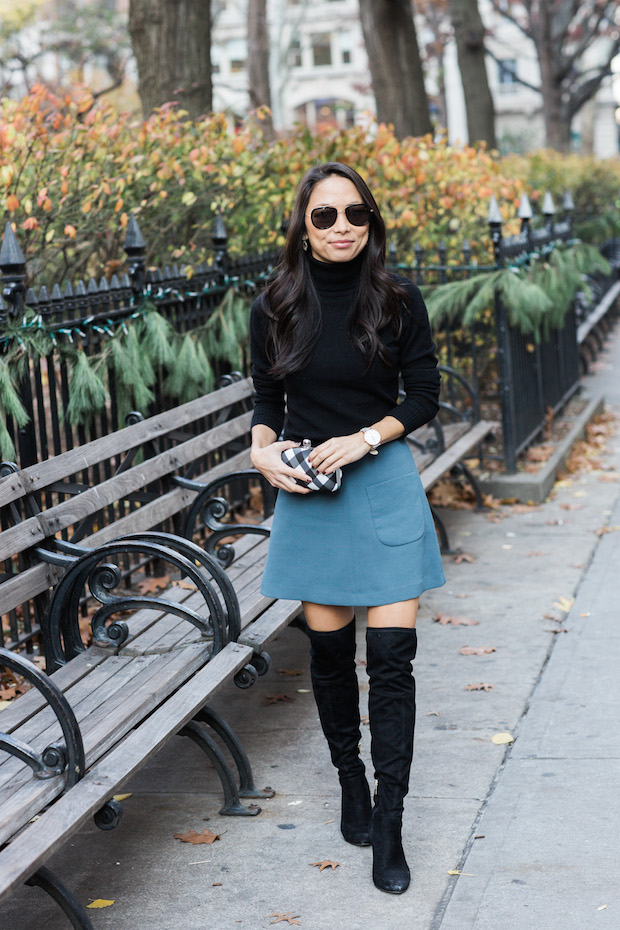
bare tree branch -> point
(506, 14)
(512, 73)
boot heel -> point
(390, 871)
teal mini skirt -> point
(372, 542)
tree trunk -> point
(469, 35)
(557, 125)
(258, 63)
(395, 66)
(172, 43)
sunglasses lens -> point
(358, 214)
(323, 217)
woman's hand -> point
(338, 452)
(268, 461)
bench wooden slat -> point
(21, 858)
(259, 633)
(455, 453)
(71, 511)
(11, 489)
(36, 477)
(585, 328)
(30, 703)
(158, 678)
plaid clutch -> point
(298, 458)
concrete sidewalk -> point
(546, 809)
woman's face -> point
(342, 241)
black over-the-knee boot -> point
(391, 704)
(336, 691)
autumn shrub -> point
(594, 185)
(71, 172)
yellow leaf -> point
(458, 872)
(189, 198)
(4, 704)
(49, 235)
(121, 797)
(564, 603)
(564, 483)
(100, 902)
(500, 738)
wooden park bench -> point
(79, 527)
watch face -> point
(372, 436)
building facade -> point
(320, 76)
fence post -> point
(504, 361)
(13, 269)
(525, 215)
(548, 210)
(135, 249)
(219, 240)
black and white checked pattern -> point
(298, 458)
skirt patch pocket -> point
(397, 508)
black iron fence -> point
(527, 377)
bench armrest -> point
(100, 570)
(67, 757)
(210, 508)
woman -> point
(331, 333)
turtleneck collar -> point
(336, 276)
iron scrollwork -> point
(219, 623)
(211, 510)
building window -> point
(294, 53)
(237, 50)
(506, 75)
(321, 49)
(345, 43)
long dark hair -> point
(291, 302)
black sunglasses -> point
(358, 214)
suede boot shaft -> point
(336, 691)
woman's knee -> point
(326, 617)
(402, 613)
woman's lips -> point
(341, 243)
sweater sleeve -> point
(418, 365)
(269, 391)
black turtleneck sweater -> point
(334, 394)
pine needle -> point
(9, 398)
(87, 393)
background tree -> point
(562, 31)
(469, 34)
(395, 66)
(437, 35)
(172, 43)
(258, 63)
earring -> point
(304, 243)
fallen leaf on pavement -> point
(606, 529)
(121, 797)
(100, 902)
(477, 650)
(152, 585)
(445, 619)
(501, 738)
(570, 506)
(524, 508)
(462, 557)
(325, 864)
(289, 917)
(538, 552)
(293, 672)
(433, 713)
(365, 721)
(481, 686)
(564, 603)
(278, 699)
(197, 838)
(458, 872)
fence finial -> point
(135, 247)
(11, 255)
(548, 207)
(568, 204)
(134, 240)
(13, 269)
(494, 212)
(525, 208)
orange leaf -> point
(197, 838)
(445, 619)
(325, 864)
(12, 203)
(152, 585)
(481, 686)
(278, 699)
(289, 917)
(477, 650)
